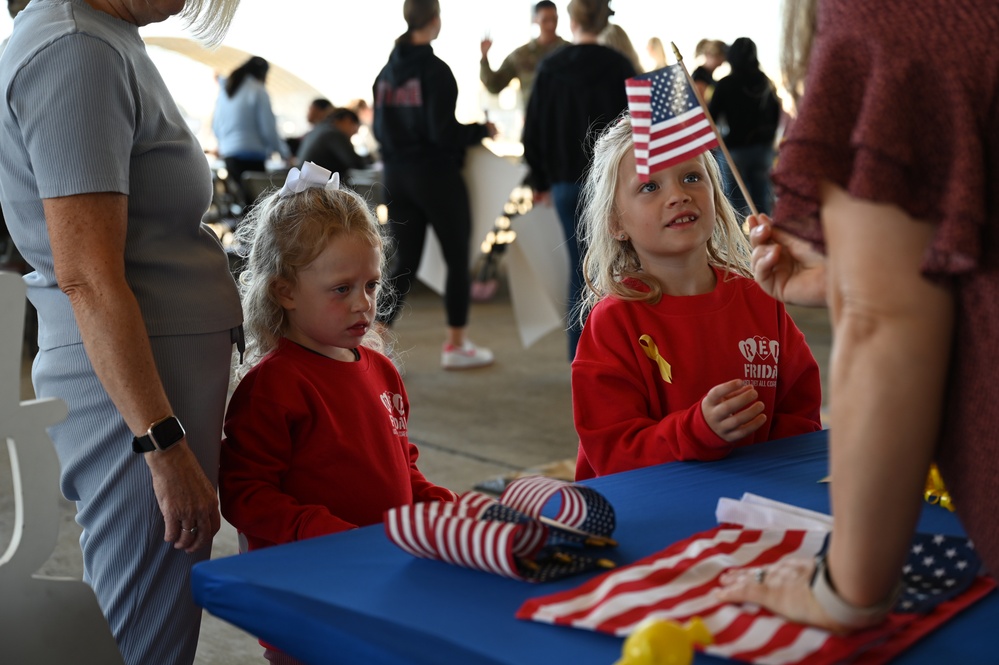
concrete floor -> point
(471, 426)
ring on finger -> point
(760, 575)
(193, 529)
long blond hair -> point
(796, 43)
(282, 235)
(616, 38)
(609, 262)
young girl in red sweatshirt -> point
(682, 356)
(315, 433)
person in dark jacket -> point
(746, 103)
(423, 149)
(577, 91)
(328, 144)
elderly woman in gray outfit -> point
(137, 309)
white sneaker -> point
(466, 356)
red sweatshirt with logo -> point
(628, 415)
(315, 446)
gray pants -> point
(142, 583)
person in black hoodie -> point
(577, 91)
(423, 149)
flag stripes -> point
(678, 583)
(582, 507)
(503, 537)
(669, 125)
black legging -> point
(418, 197)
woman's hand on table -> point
(788, 268)
(186, 498)
(784, 588)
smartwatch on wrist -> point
(161, 435)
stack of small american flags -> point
(510, 536)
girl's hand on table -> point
(732, 410)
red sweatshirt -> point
(315, 446)
(627, 416)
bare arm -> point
(893, 330)
(87, 235)
(892, 334)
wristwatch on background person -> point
(161, 435)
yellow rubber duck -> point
(662, 642)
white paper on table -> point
(490, 179)
(538, 274)
(757, 512)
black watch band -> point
(161, 435)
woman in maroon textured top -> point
(895, 150)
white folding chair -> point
(42, 619)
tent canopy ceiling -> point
(283, 86)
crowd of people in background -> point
(342, 138)
(244, 123)
(577, 91)
(522, 62)
(746, 105)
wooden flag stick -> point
(591, 538)
(714, 128)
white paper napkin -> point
(757, 512)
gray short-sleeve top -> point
(85, 110)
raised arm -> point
(87, 235)
(495, 81)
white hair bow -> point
(311, 175)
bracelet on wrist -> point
(843, 612)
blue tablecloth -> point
(355, 597)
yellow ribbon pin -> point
(652, 351)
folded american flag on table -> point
(668, 124)
(941, 578)
(509, 537)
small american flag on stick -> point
(669, 125)
(510, 537)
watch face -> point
(166, 433)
